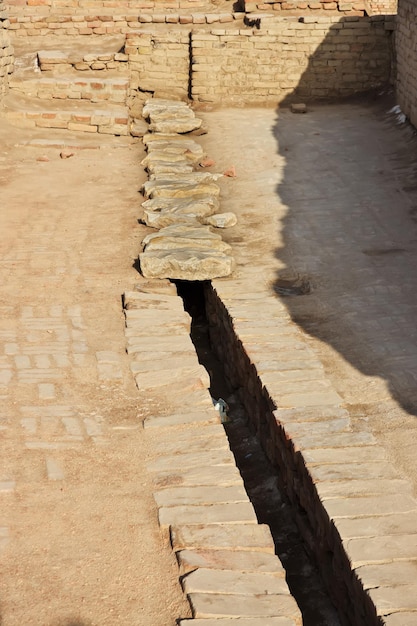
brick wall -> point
(6, 50)
(159, 63)
(289, 59)
(406, 48)
(323, 57)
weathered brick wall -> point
(150, 6)
(311, 7)
(159, 63)
(323, 57)
(406, 49)
(381, 7)
(29, 23)
(6, 50)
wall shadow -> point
(350, 233)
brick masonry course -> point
(198, 489)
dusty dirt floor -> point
(329, 196)
(79, 535)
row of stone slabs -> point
(226, 560)
(181, 202)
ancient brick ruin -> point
(242, 53)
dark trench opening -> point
(261, 479)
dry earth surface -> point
(83, 545)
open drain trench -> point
(224, 551)
(261, 479)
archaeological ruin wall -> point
(6, 49)
(315, 57)
(406, 52)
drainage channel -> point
(261, 479)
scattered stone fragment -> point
(230, 172)
(43, 158)
(207, 162)
(221, 220)
(299, 108)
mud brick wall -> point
(319, 532)
(381, 7)
(6, 50)
(406, 46)
(81, 6)
(307, 7)
(292, 59)
(159, 63)
(31, 23)
(331, 7)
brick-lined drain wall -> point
(320, 535)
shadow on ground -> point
(350, 235)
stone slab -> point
(395, 598)
(200, 495)
(207, 457)
(394, 524)
(381, 549)
(354, 470)
(223, 513)
(404, 618)
(235, 582)
(355, 507)
(387, 574)
(185, 264)
(241, 537)
(245, 561)
(207, 605)
(220, 475)
(195, 377)
(358, 454)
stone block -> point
(241, 560)
(240, 537)
(195, 377)
(180, 496)
(221, 475)
(223, 513)
(393, 524)
(380, 549)
(186, 263)
(190, 459)
(235, 582)
(209, 605)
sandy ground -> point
(79, 533)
